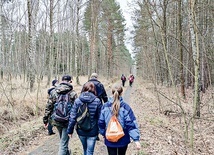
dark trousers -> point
(117, 150)
(123, 83)
(50, 128)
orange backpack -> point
(114, 130)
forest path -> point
(161, 134)
(50, 144)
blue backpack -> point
(62, 108)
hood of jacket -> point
(87, 97)
(64, 88)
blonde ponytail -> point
(116, 91)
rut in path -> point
(50, 146)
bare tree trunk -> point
(30, 46)
(1, 53)
(195, 49)
(165, 3)
(93, 37)
(50, 50)
(181, 49)
(109, 49)
(77, 44)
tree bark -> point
(181, 49)
(195, 49)
(30, 47)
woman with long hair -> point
(116, 106)
(87, 137)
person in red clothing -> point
(131, 80)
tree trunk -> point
(93, 37)
(50, 50)
(165, 35)
(195, 49)
(30, 46)
(1, 53)
(109, 48)
(77, 43)
(181, 49)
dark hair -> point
(66, 78)
(54, 82)
(117, 92)
(90, 87)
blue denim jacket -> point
(127, 120)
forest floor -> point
(161, 123)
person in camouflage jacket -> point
(63, 88)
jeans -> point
(50, 128)
(64, 140)
(88, 144)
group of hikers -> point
(131, 79)
(90, 114)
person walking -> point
(123, 79)
(101, 92)
(131, 80)
(50, 127)
(116, 106)
(87, 137)
(64, 88)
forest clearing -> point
(162, 132)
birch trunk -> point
(31, 51)
(77, 44)
(1, 53)
(195, 50)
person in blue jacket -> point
(116, 106)
(87, 138)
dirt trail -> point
(49, 145)
(160, 134)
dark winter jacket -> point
(50, 89)
(101, 92)
(94, 107)
(62, 88)
(127, 120)
(123, 78)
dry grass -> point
(163, 133)
(21, 111)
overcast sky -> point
(127, 15)
(125, 10)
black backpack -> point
(62, 108)
(84, 118)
